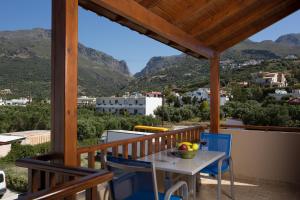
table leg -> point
(167, 181)
(192, 186)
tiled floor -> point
(244, 190)
(250, 190)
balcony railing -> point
(253, 152)
(140, 146)
(47, 180)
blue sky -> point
(111, 38)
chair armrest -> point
(220, 162)
(174, 188)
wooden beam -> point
(246, 19)
(137, 14)
(215, 94)
(64, 79)
(257, 26)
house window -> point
(135, 111)
(136, 101)
(116, 101)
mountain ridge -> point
(248, 49)
(24, 52)
(188, 72)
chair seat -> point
(213, 168)
(150, 196)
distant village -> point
(136, 103)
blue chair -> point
(136, 180)
(219, 142)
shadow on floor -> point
(249, 190)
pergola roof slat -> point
(134, 12)
(199, 27)
(248, 18)
(257, 26)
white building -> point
(200, 94)
(291, 57)
(283, 93)
(84, 101)
(204, 94)
(270, 79)
(18, 102)
(136, 105)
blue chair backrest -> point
(131, 177)
(217, 142)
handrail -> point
(72, 187)
(145, 145)
(262, 128)
(132, 140)
(54, 168)
(49, 156)
(48, 180)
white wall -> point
(152, 103)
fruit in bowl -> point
(187, 150)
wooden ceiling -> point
(201, 28)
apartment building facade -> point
(134, 105)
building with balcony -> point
(18, 102)
(134, 105)
(267, 79)
(204, 94)
(86, 101)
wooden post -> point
(214, 94)
(64, 79)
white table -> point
(167, 162)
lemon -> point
(195, 147)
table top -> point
(166, 161)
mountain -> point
(188, 72)
(170, 70)
(267, 49)
(25, 66)
(289, 39)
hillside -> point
(187, 72)
(25, 66)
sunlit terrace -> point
(263, 163)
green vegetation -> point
(172, 113)
(188, 74)
(265, 114)
(16, 177)
(91, 123)
(31, 117)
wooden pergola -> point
(200, 28)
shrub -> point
(22, 151)
(16, 182)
